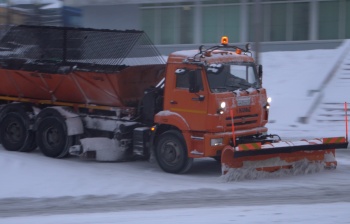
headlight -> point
(216, 141)
(269, 99)
(223, 105)
(222, 108)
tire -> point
(52, 138)
(217, 158)
(171, 153)
(14, 134)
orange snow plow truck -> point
(109, 95)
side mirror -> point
(194, 87)
(260, 72)
(247, 47)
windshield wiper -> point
(240, 85)
(219, 88)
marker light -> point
(224, 40)
(238, 51)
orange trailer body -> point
(121, 89)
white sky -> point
(288, 76)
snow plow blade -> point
(271, 157)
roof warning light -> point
(224, 40)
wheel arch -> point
(186, 161)
(167, 120)
(26, 110)
(73, 122)
(162, 128)
(172, 119)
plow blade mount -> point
(271, 157)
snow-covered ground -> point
(37, 189)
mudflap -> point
(281, 155)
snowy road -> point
(328, 186)
(184, 199)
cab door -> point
(188, 97)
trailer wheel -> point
(52, 138)
(171, 153)
(14, 135)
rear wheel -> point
(14, 134)
(52, 138)
(171, 153)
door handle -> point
(200, 98)
(173, 102)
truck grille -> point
(242, 120)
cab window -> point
(183, 78)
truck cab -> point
(212, 98)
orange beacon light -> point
(224, 40)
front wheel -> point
(171, 153)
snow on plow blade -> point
(271, 157)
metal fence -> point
(101, 50)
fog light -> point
(220, 111)
(216, 141)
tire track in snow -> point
(14, 207)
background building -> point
(31, 12)
(284, 23)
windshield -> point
(231, 77)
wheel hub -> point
(170, 153)
(52, 137)
(14, 132)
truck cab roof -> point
(215, 56)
